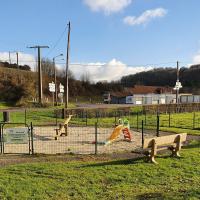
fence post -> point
(169, 119)
(32, 145)
(63, 113)
(158, 124)
(1, 136)
(96, 139)
(142, 133)
(86, 122)
(137, 121)
(194, 118)
(115, 117)
(25, 116)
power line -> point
(57, 42)
(105, 63)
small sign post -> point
(177, 87)
(52, 88)
(61, 90)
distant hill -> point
(19, 86)
(189, 77)
(14, 66)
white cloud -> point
(23, 58)
(107, 6)
(145, 17)
(196, 58)
(112, 70)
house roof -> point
(141, 89)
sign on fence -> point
(16, 136)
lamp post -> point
(55, 79)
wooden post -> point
(153, 152)
(175, 153)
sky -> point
(109, 38)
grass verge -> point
(114, 179)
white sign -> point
(178, 85)
(16, 136)
(52, 87)
(61, 87)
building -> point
(140, 95)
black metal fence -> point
(88, 132)
(16, 138)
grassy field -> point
(4, 105)
(180, 122)
(111, 179)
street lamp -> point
(56, 92)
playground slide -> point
(116, 132)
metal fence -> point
(88, 132)
(16, 138)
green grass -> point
(115, 179)
(179, 122)
(4, 105)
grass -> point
(179, 122)
(114, 179)
(4, 105)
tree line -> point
(19, 85)
(189, 77)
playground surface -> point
(80, 140)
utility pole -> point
(9, 58)
(55, 79)
(40, 93)
(67, 67)
(177, 79)
(17, 53)
(178, 85)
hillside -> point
(19, 86)
(189, 78)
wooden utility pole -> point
(17, 59)
(177, 80)
(40, 93)
(55, 78)
(67, 67)
(9, 57)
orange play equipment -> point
(122, 128)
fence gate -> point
(15, 138)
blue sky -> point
(100, 34)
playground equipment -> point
(62, 130)
(124, 128)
